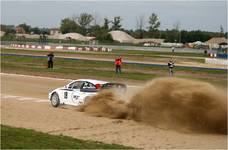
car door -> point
(67, 94)
(71, 93)
(76, 93)
(88, 89)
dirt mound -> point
(122, 37)
(75, 36)
(168, 102)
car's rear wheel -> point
(55, 100)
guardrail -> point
(61, 47)
(118, 47)
(216, 61)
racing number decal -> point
(75, 97)
(65, 95)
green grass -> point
(90, 71)
(19, 138)
(130, 54)
(100, 64)
(67, 68)
(152, 53)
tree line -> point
(86, 24)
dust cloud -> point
(106, 104)
(170, 103)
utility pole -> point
(179, 36)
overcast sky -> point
(192, 15)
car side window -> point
(75, 85)
(70, 86)
(88, 85)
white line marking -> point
(25, 99)
(9, 96)
(21, 98)
(5, 99)
(41, 101)
(36, 76)
(133, 86)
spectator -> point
(118, 63)
(171, 66)
(173, 49)
(205, 52)
(50, 60)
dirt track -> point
(24, 103)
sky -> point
(191, 15)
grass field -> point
(68, 68)
(125, 54)
(19, 138)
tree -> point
(8, 29)
(84, 20)
(221, 31)
(26, 27)
(176, 27)
(45, 31)
(116, 23)
(140, 23)
(43, 39)
(69, 25)
(96, 19)
(106, 24)
(101, 34)
(154, 22)
(36, 30)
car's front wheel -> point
(55, 100)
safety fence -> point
(60, 47)
(216, 61)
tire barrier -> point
(60, 47)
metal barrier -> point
(216, 61)
(60, 47)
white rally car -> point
(78, 91)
